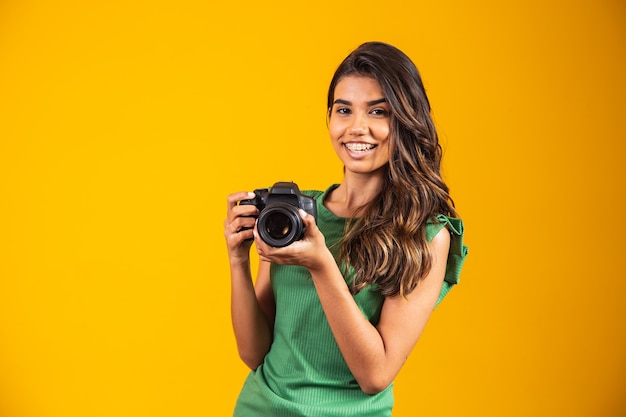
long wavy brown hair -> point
(385, 241)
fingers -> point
(238, 230)
(240, 220)
(306, 217)
(293, 254)
(309, 223)
(265, 251)
(235, 198)
(235, 209)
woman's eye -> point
(379, 112)
(343, 110)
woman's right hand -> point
(238, 227)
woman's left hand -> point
(309, 251)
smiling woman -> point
(332, 317)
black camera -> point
(279, 223)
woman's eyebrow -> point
(344, 102)
(369, 103)
(374, 102)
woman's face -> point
(359, 125)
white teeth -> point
(359, 147)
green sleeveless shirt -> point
(304, 373)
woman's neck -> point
(353, 193)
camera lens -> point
(280, 225)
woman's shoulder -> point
(439, 221)
(316, 194)
(312, 193)
(457, 253)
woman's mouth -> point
(359, 147)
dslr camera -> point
(279, 224)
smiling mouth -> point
(359, 147)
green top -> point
(304, 373)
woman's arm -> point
(252, 313)
(374, 354)
(252, 306)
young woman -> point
(331, 318)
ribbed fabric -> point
(456, 255)
(304, 373)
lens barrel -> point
(279, 224)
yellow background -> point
(124, 125)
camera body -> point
(279, 224)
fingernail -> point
(303, 213)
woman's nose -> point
(359, 125)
